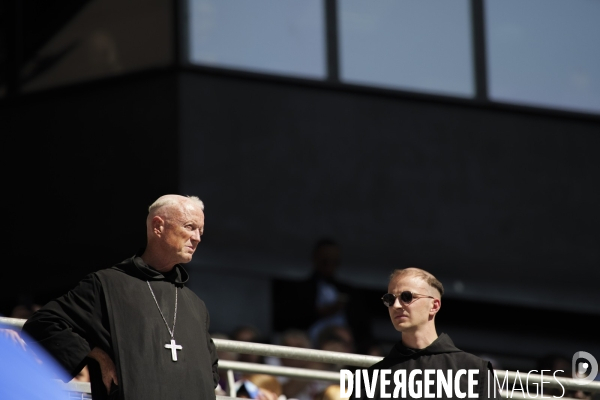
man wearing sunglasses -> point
(413, 300)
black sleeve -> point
(213, 353)
(68, 326)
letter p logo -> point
(590, 365)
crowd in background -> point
(333, 338)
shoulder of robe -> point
(115, 272)
(192, 296)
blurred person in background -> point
(268, 384)
(259, 386)
(322, 299)
(332, 392)
(330, 297)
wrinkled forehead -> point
(409, 282)
(191, 211)
(184, 211)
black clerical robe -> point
(441, 355)
(113, 309)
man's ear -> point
(158, 225)
(437, 304)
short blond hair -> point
(268, 382)
(422, 274)
(331, 392)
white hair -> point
(173, 200)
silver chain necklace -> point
(172, 346)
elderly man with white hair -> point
(143, 333)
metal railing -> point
(12, 322)
(331, 357)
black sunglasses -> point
(405, 297)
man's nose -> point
(196, 236)
(397, 303)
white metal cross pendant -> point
(174, 347)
